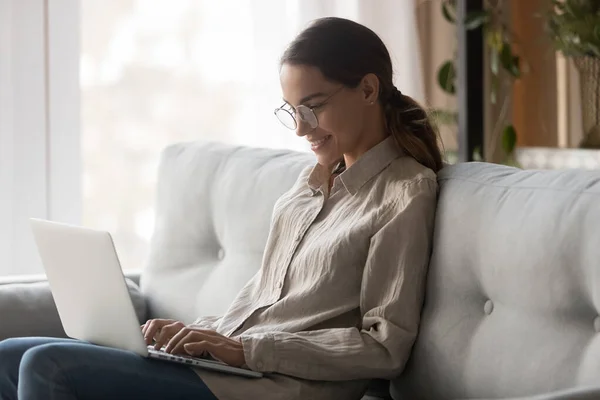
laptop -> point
(91, 295)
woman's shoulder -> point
(404, 181)
(406, 172)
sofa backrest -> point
(213, 210)
(513, 292)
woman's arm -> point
(392, 291)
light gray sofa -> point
(513, 295)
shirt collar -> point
(363, 170)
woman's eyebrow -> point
(308, 98)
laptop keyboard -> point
(180, 357)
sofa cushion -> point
(513, 294)
(213, 211)
(28, 309)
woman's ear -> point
(369, 87)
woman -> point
(338, 297)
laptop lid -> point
(88, 286)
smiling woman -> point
(312, 70)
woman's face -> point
(341, 117)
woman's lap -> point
(78, 370)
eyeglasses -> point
(306, 114)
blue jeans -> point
(65, 369)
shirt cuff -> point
(259, 351)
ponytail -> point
(411, 128)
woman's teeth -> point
(315, 144)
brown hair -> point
(345, 51)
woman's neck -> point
(374, 133)
(370, 142)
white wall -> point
(39, 117)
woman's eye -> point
(316, 106)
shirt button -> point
(279, 285)
(259, 365)
(299, 237)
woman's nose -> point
(302, 128)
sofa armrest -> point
(27, 307)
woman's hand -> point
(161, 331)
(196, 342)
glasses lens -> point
(286, 118)
(307, 115)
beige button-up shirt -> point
(338, 297)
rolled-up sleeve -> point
(208, 322)
(391, 298)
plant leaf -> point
(506, 55)
(509, 61)
(447, 76)
(509, 139)
(514, 67)
(494, 39)
(574, 27)
(475, 19)
(448, 15)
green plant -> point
(574, 26)
(504, 63)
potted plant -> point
(574, 26)
(505, 66)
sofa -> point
(512, 305)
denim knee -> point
(42, 360)
(11, 352)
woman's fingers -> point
(229, 351)
(152, 328)
(187, 335)
(197, 349)
(166, 333)
(176, 343)
(197, 342)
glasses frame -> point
(310, 111)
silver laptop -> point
(91, 295)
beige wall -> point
(535, 99)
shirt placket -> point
(279, 280)
(309, 219)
